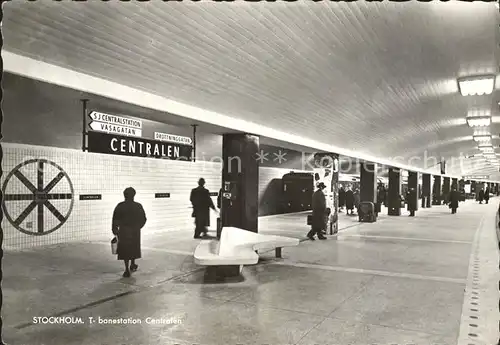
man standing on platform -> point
(454, 199)
(411, 199)
(487, 194)
(319, 213)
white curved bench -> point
(238, 247)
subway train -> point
(298, 189)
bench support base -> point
(222, 273)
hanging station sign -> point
(138, 147)
(118, 135)
(178, 139)
(115, 124)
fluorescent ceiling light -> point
(480, 85)
(483, 146)
(478, 121)
(489, 150)
(479, 112)
(482, 138)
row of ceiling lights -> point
(480, 118)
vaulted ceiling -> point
(378, 79)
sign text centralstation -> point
(129, 146)
(115, 120)
(115, 124)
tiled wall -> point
(270, 189)
(108, 175)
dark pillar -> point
(368, 192)
(426, 190)
(436, 191)
(446, 189)
(394, 192)
(240, 178)
(413, 183)
(472, 186)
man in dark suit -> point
(411, 200)
(202, 203)
(128, 219)
(349, 201)
(319, 213)
(454, 199)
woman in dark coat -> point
(128, 219)
(487, 194)
(480, 196)
(357, 199)
(341, 197)
(454, 199)
(349, 201)
(382, 195)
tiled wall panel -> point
(270, 189)
(107, 175)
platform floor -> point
(400, 280)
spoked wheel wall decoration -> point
(48, 218)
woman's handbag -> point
(114, 246)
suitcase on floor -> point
(366, 212)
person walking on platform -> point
(357, 199)
(487, 194)
(480, 196)
(349, 200)
(381, 195)
(202, 203)
(341, 197)
(454, 200)
(411, 200)
(128, 219)
(318, 213)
